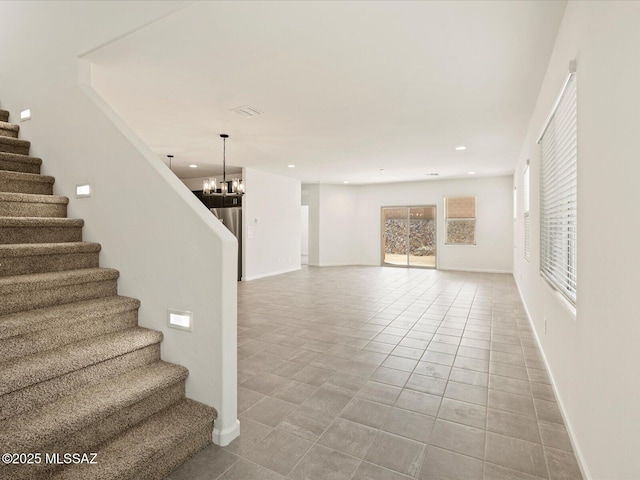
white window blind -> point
(525, 206)
(558, 194)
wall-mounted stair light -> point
(25, 115)
(180, 320)
(83, 190)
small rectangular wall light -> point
(180, 320)
(83, 190)
(25, 114)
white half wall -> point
(170, 250)
(593, 353)
(271, 215)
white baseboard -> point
(574, 441)
(225, 437)
(270, 274)
(475, 270)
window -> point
(460, 220)
(558, 194)
(525, 206)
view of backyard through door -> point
(409, 236)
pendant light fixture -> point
(234, 187)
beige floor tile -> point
(516, 454)
(348, 437)
(465, 413)
(419, 402)
(396, 453)
(442, 464)
(458, 438)
(306, 423)
(409, 424)
(366, 412)
(322, 463)
(269, 411)
(279, 451)
(368, 471)
(245, 470)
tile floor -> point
(368, 373)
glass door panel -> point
(409, 236)
(395, 232)
(422, 236)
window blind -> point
(558, 194)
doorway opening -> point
(409, 236)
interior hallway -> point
(388, 373)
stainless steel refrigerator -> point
(231, 217)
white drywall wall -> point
(349, 219)
(304, 234)
(593, 356)
(169, 249)
(311, 197)
(271, 217)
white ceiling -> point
(346, 89)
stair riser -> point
(20, 148)
(11, 165)
(47, 263)
(28, 209)
(10, 235)
(4, 116)
(56, 295)
(25, 186)
(35, 396)
(61, 334)
(103, 430)
(180, 451)
(7, 132)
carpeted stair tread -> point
(4, 115)
(35, 396)
(32, 198)
(9, 129)
(20, 182)
(147, 451)
(32, 431)
(35, 222)
(32, 205)
(21, 259)
(28, 249)
(26, 371)
(38, 281)
(19, 163)
(26, 333)
(16, 230)
(14, 145)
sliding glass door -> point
(409, 236)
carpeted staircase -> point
(77, 374)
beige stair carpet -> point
(77, 373)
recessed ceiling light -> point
(346, 181)
(432, 174)
(471, 173)
(291, 166)
(193, 166)
(461, 147)
(382, 169)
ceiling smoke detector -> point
(246, 111)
